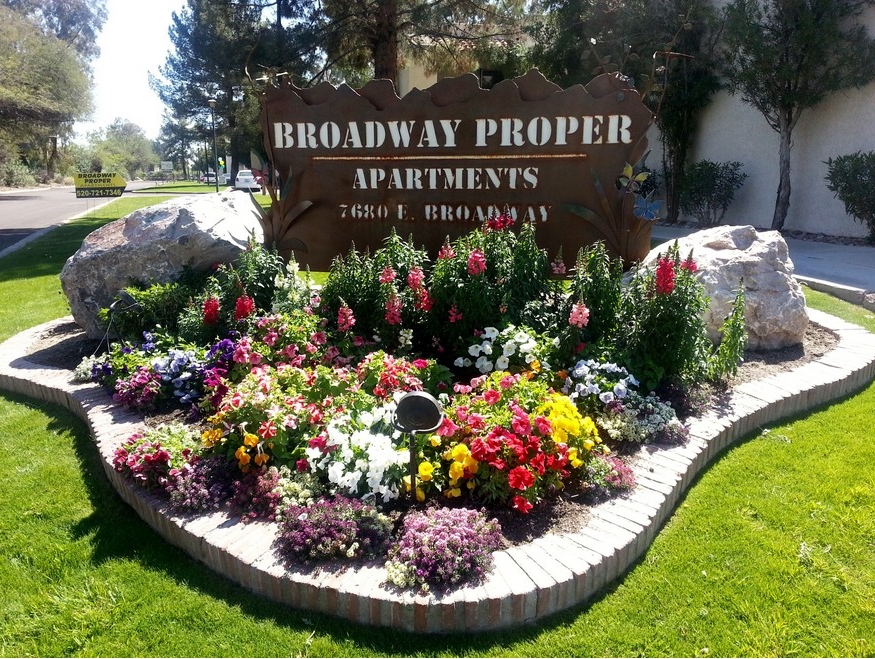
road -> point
(24, 213)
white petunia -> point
(483, 365)
(490, 333)
(502, 363)
(474, 350)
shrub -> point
(709, 188)
(15, 175)
(442, 547)
(338, 528)
(852, 178)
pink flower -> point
(476, 262)
(267, 429)
(271, 338)
(446, 251)
(455, 314)
(491, 396)
(415, 277)
(500, 222)
(319, 338)
(388, 275)
(345, 319)
(579, 315)
(393, 310)
(447, 428)
(665, 276)
(302, 465)
(423, 300)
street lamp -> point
(212, 103)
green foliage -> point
(15, 175)
(159, 306)
(663, 335)
(597, 282)
(709, 188)
(725, 359)
(852, 178)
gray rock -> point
(775, 312)
(154, 245)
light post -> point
(212, 103)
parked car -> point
(209, 178)
(246, 181)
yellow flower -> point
(588, 444)
(573, 460)
(453, 492)
(261, 458)
(420, 495)
(435, 440)
(456, 471)
(536, 366)
(460, 452)
(211, 437)
(250, 439)
(242, 456)
(425, 471)
(471, 485)
(471, 464)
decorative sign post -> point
(97, 184)
(439, 162)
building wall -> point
(732, 130)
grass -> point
(772, 551)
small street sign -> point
(98, 184)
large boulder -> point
(775, 313)
(154, 245)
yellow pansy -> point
(250, 439)
(435, 440)
(425, 471)
(471, 464)
(242, 456)
(456, 471)
(459, 452)
(261, 458)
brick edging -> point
(529, 581)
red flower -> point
(211, 311)
(690, 265)
(520, 478)
(521, 504)
(244, 307)
(415, 277)
(665, 276)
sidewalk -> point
(845, 271)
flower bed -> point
(292, 391)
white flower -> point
(528, 346)
(483, 365)
(502, 363)
(521, 337)
(620, 390)
(490, 333)
(606, 397)
(486, 347)
(474, 350)
(509, 349)
(462, 362)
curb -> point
(529, 581)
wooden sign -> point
(439, 162)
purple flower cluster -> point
(256, 494)
(443, 547)
(182, 371)
(606, 475)
(338, 528)
(202, 484)
(139, 391)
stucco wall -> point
(732, 130)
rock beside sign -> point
(155, 244)
(775, 313)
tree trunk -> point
(782, 199)
(384, 44)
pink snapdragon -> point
(476, 262)
(579, 316)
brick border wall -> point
(529, 581)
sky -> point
(134, 42)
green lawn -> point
(180, 187)
(772, 552)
